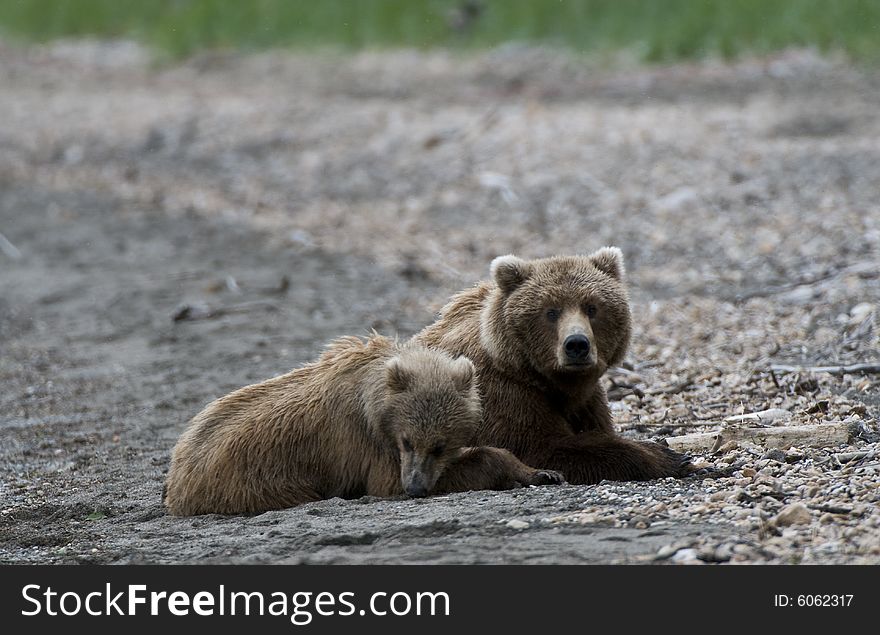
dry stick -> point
(849, 460)
(832, 509)
(846, 457)
(869, 367)
(816, 436)
(671, 390)
(205, 313)
(633, 389)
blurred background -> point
(656, 30)
(198, 194)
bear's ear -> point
(463, 374)
(509, 272)
(609, 260)
(397, 378)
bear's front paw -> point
(665, 461)
(677, 464)
(546, 477)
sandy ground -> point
(272, 202)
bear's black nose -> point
(577, 347)
(416, 490)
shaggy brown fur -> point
(541, 333)
(368, 417)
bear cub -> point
(368, 417)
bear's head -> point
(431, 411)
(566, 318)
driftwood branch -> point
(813, 436)
(869, 367)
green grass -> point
(656, 30)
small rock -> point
(768, 502)
(685, 556)
(793, 455)
(728, 447)
(748, 472)
(198, 311)
(517, 524)
(820, 406)
(860, 312)
(775, 455)
(858, 409)
(794, 514)
(806, 385)
(723, 553)
(737, 494)
(666, 551)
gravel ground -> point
(174, 233)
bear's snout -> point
(577, 347)
(416, 489)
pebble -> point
(723, 553)
(684, 556)
(768, 502)
(517, 524)
(666, 551)
(775, 455)
(728, 447)
(860, 312)
(793, 514)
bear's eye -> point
(590, 310)
(553, 314)
(406, 445)
(438, 449)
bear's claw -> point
(547, 477)
(671, 463)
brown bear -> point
(541, 333)
(368, 417)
